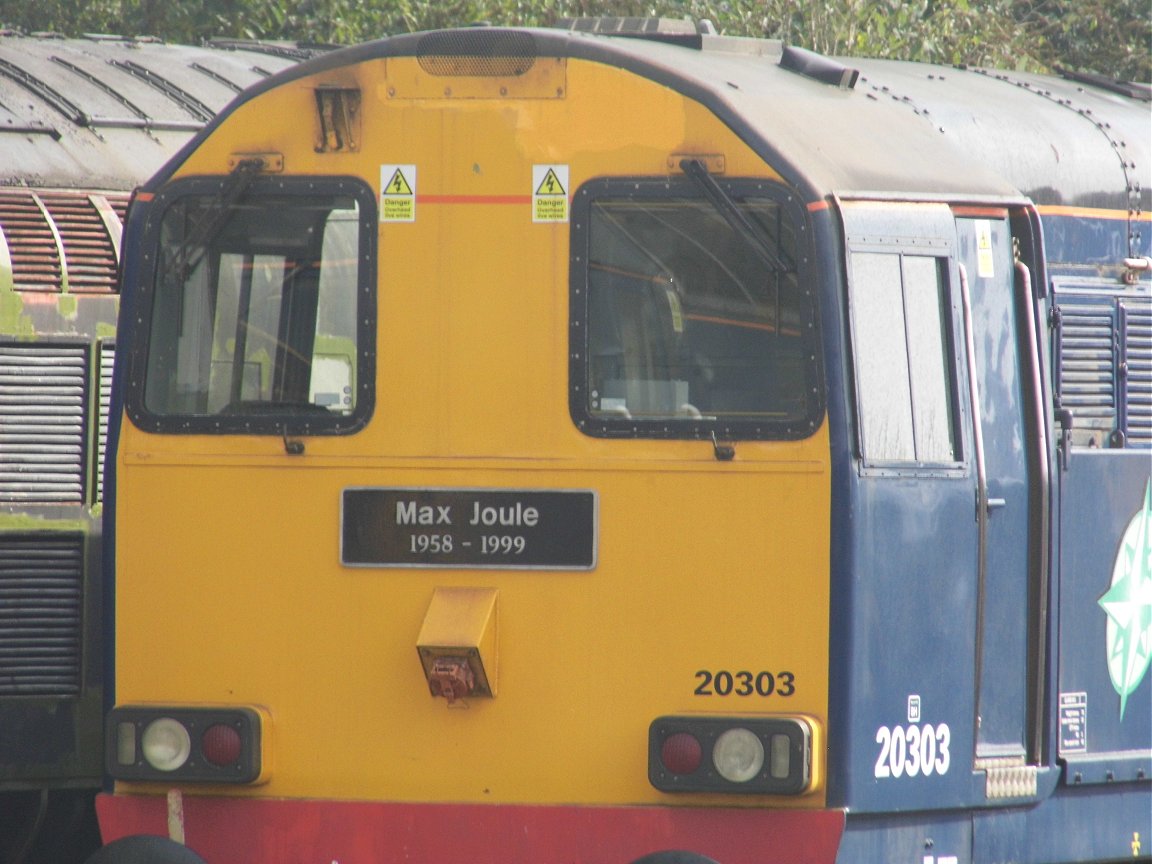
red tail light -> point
(222, 744)
(680, 753)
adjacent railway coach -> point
(585, 446)
(82, 121)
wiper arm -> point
(694, 169)
(194, 247)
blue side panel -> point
(906, 840)
(1069, 779)
(912, 645)
(1003, 692)
(1105, 688)
(844, 587)
(1100, 824)
(1087, 240)
(904, 561)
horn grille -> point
(476, 53)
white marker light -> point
(781, 762)
(166, 744)
(738, 755)
(126, 743)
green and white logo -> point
(1128, 604)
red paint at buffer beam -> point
(261, 831)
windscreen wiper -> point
(694, 169)
(216, 216)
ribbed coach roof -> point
(106, 112)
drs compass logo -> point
(1128, 604)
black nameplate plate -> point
(498, 528)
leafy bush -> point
(1111, 37)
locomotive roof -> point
(902, 129)
(1061, 141)
(919, 128)
(106, 112)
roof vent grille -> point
(478, 53)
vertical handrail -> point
(1040, 510)
(981, 489)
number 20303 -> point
(724, 683)
(913, 750)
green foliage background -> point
(1111, 37)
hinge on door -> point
(1064, 420)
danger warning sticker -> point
(985, 263)
(397, 193)
(549, 193)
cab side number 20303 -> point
(913, 750)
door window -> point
(904, 387)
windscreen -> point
(257, 307)
(697, 318)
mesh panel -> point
(476, 53)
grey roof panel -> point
(106, 113)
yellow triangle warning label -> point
(398, 185)
(550, 185)
(398, 193)
(550, 196)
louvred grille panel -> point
(107, 356)
(38, 224)
(43, 395)
(1138, 372)
(41, 580)
(1086, 364)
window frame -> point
(720, 428)
(265, 421)
(955, 365)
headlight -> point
(738, 755)
(166, 744)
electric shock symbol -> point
(550, 185)
(549, 193)
(397, 193)
(399, 185)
